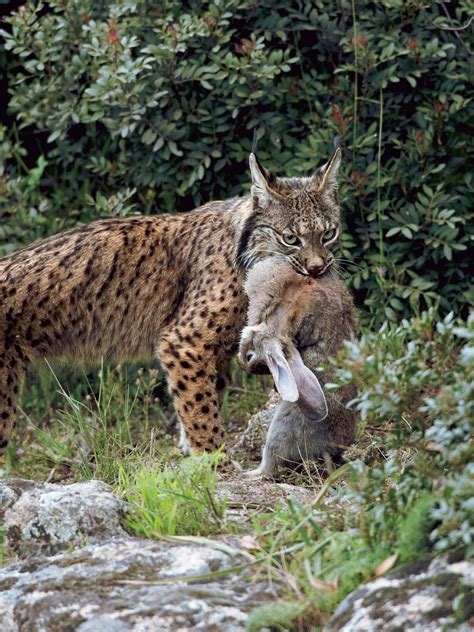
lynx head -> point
(293, 218)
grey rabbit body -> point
(294, 324)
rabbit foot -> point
(259, 472)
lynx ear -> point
(262, 181)
(325, 178)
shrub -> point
(140, 106)
(419, 378)
(415, 498)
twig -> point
(455, 30)
(379, 166)
(27, 417)
(356, 78)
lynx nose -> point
(315, 271)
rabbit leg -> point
(270, 459)
(268, 467)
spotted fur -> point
(169, 287)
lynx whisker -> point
(296, 265)
(347, 262)
(339, 271)
(254, 254)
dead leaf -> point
(386, 565)
(434, 447)
(320, 585)
(248, 543)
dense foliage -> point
(122, 107)
(409, 495)
(417, 380)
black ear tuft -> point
(255, 141)
(269, 176)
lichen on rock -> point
(422, 596)
(129, 584)
(47, 518)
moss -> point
(30, 566)
(393, 594)
(78, 559)
(456, 555)
(414, 567)
(415, 530)
(449, 587)
(278, 617)
(464, 605)
(439, 612)
(446, 580)
(7, 583)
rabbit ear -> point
(281, 372)
(312, 400)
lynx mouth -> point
(326, 269)
(320, 273)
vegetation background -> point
(117, 108)
(149, 107)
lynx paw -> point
(228, 466)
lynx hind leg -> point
(192, 375)
(183, 443)
(12, 369)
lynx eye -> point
(291, 240)
(329, 234)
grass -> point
(245, 397)
(95, 421)
(366, 516)
(179, 499)
(78, 425)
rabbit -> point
(294, 323)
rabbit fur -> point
(294, 324)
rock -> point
(47, 518)
(422, 596)
(128, 584)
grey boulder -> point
(129, 584)
(46, 518)
(431, 595)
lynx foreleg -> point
(223, 376)
(192, 375)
